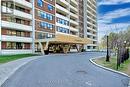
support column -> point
(46, 46)
(66, 48)
(42, 51)
(33, 26)
(78, 47)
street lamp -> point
(107, 56)
(125, 44)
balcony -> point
(61, 25)
(23, 2)
(17, 26)
(62, 17)
(74, 15)
(62, 9)
(74, 8)
(17, 13)
(16, 38)
(91, 34)
(63, 2)
(74, 22)
(90, 28)
(74, 2)
(74, 29)
(22, 14)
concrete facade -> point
(90, 23)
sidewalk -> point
(7, 69)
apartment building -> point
(90, 23)
(16, 27)
(29, 26)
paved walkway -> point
(7, 69)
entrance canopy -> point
(71, 39)
(59, 38)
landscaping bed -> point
(125, 67)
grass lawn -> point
(125, 68)
(8, 58)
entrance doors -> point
(19, 45)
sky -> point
(113, 16)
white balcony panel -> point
(17, 26)
(90, 17)
(23, 2)
(74, 15)
(88, 33)
(22, 14)
(65, 34)
(91, 29)
(61, 25)
(74, 8)
(92, 24)
(75, 2)
(16, 13)
(62, 9)
(16, 38)
(94, 4)
(91, 8)
(11, 51)
(61, 16)
(74, 22)
(63, 2)
(74, 29)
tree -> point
(115, 38)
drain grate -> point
(81, 71)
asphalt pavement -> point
(69, 70)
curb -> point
(111, 70)
(13, 71)
(91, 60)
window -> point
(40, 3)
(14, 33)
(48, 16)
(46, 25)
(51, 17)
(51, 26)
(50, 7)
(63, 30)
(45, 15)
(62, 21)
(8, 45)
(43, 25)
(18, 33)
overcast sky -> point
(113, 15)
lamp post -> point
(107, 56)
(125, 51)
(125, 44)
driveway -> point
(70, 70)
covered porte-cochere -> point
(61, 44)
